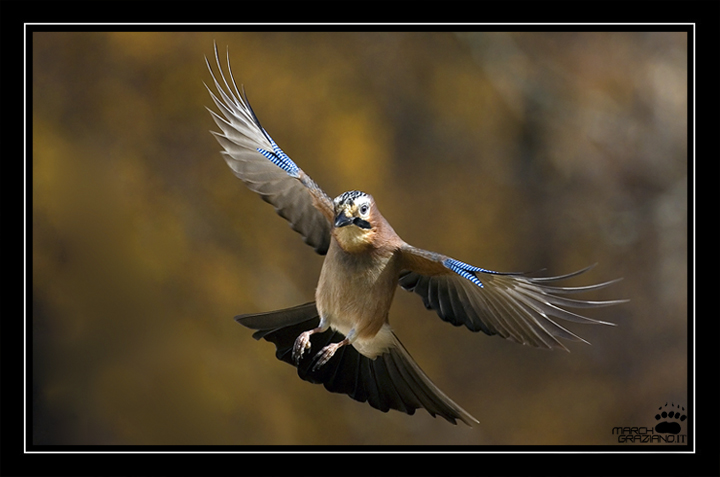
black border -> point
(634, 460)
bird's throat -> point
(353, 239)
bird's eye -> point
(364, 209)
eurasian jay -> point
(343, 339)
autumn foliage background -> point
(509, 151)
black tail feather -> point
(391, 381)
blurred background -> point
(509, 151)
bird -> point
(343, 339)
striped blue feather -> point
(467, 271)
(279, 158)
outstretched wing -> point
(512, 305)
(391, 381)
(265, 168)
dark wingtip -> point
(252, 112)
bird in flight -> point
(343, 339)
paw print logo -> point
(670, 418)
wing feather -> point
(515, 306)
(256, 160)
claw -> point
(302, 343)
(326, 353)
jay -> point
(343, 339)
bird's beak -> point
(341, 219)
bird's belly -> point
(355, 292)
(373, 335)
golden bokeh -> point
(510, 151)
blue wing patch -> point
(279, 158)
(467, 271)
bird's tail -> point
(391, 381)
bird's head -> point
(355, 223)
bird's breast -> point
(355, 290)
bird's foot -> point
(326, 353)
(302, 343)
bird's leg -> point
(302, 342)
(328, 351)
